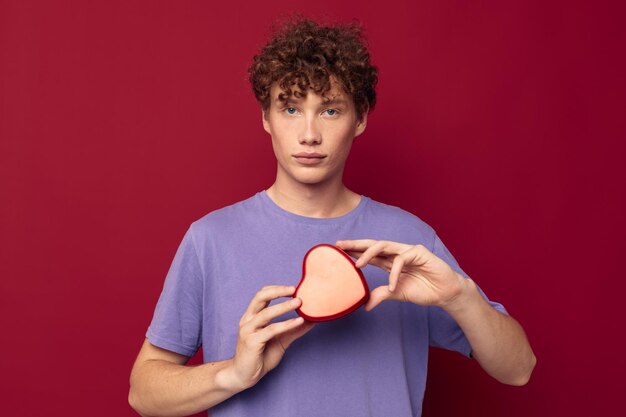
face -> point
(312, 136)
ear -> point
(361, 124)
(266, 122)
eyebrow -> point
(334, 102)
(331, 102)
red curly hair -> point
(305, 55)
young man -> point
(225, 287)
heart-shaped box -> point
(331, 285)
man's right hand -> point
(261, 344)
(161, 383)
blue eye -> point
(331, 112)
(290, 110)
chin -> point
(309, 176)
(310, 179)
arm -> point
(417, 275)
(498, 341)
(161, 385)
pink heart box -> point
(331, 285)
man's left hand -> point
(415, 273)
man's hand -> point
(161, 383)
(262, 344)
(415, 274)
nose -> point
(311, 134)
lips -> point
(309, 158)
(309, 155)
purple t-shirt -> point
(365, 364)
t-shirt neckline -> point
(271, 205)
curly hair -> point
(305, 55)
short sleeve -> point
(444, 332)
(177, 321)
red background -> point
(501, 124)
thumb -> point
(380, 294)
(289, 337)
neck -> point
(324, 200)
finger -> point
(357, 254)
(266, 294)
(415, 256)
(360, 245)
(354, 253)
(396, 269)
(275, 329)
(296, 333)
(378, 295)
(380, 248)
(268, 314)
(381, 261)
(369, 253)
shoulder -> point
(397, 215)
(225, 219)
(401, 222)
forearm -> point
(498, 341)
(161, 388)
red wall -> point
(500, 123)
